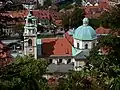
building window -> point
(50, 61)
(68, 61)
(86, 46)
(29, 42)
(93, 44)
(77, 45)
(60, 61)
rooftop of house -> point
(44, 14)
(5, 56)
(106, 31)
(61, 68)
(95, 11)
(56, 47)
(40, 14)
(102, 30)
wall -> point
(82, 44)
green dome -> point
(85, 32)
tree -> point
(76, 17)
(65, 21)
(47, 3)
(78, 80)
(78, 2)
(95, 23)
(101, 72)
(111, 18)
(106, 66)
(18, 28)
(24, 74)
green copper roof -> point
(71, 31)
(85, 32)
(75, 51)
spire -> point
(29, 7)
(85, 21)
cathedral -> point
(64, 53)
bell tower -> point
(30, 33)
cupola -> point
(85, 32)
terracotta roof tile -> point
(5, 57)
(56, 47)
(95, 11)
(69, 38)
(102, 30)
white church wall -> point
(64, 61)
(73, 60)
(82, 44)
(54, 61)
(89, 43)
(77, 41)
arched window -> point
(77, 45)
(86, 46)
(29, 42)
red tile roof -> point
(58, 22)
(95, 11)
(69, 38)
(42, 14)
(56, 47)
(5, 57)
(102, 30)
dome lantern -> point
(85, 21)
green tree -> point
(76, 17)
(78, 80)
(47, 3)
(95, 23)
(111, 18)
(101, 72)
(106, 67)
(78, 2)
(18, 28)
(24, 74)
(65, 21)
(73, 19)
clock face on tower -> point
(30, 50)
